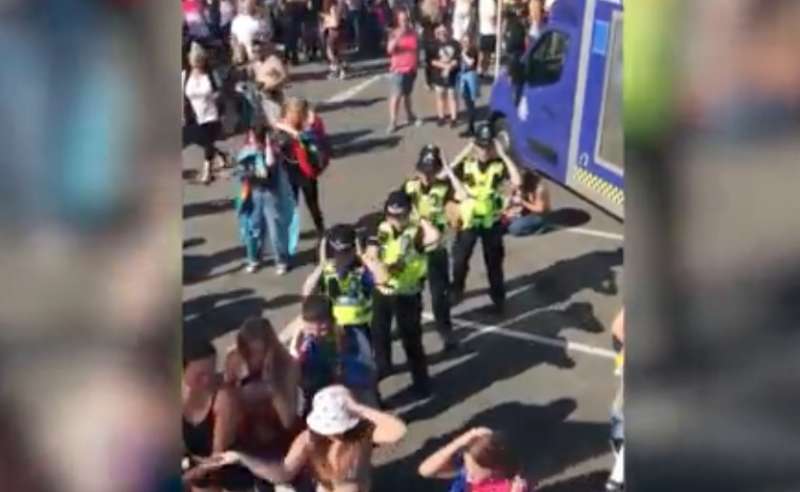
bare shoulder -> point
(227, 399)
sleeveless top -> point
(198, 438)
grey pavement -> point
(511, 373)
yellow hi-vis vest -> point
(484, 206)
(351, 304)
(428, 204)
(406, 264)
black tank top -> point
(198, 438)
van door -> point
(544, 102)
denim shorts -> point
(402, 83)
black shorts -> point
(438, 81)
(487, 43)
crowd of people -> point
(270, 405)
(239, 53)
(307, 413)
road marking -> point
(350, 93)
(592, 232)
(481, 329)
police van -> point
(559, 106)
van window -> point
(546, 59)
(610, 146)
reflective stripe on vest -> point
(351, 305)
(485, 204)
(400, 249)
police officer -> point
(347, 277)
(401, 250)
(429, 194)
(483, 168)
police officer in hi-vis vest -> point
(402, 245)
(483, 168)
(347, 276)
(430, 194)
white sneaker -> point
(418, 122)
(282, 269)
(252, 267)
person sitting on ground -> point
(330, 355)
(337, 446)
(268, 379)
(479, 461)
(211, 414)
(528, 206)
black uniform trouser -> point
(407, 309)
(439, 285)
(493, 255)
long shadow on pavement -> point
(541, 436)
(366, 145)
(209, 316)
(344, 138)
(198, 268)
(349, 104)
(588, 482)
(564, 278)
(209, 207)
(492, 359)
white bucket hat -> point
(329, 414)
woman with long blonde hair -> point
(267, 378)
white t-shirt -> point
(487, 15)
(200, 94)
(461, 19)
(245, 28)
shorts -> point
(403, 83)
(444, 83)
(444, 88)
(487, 43)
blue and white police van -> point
(560, 105)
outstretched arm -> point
(459, 190)
(273, 471)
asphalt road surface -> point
(542, 373)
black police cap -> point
(430, 159)
(342, 237)
(397, 203)
(484, 134)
